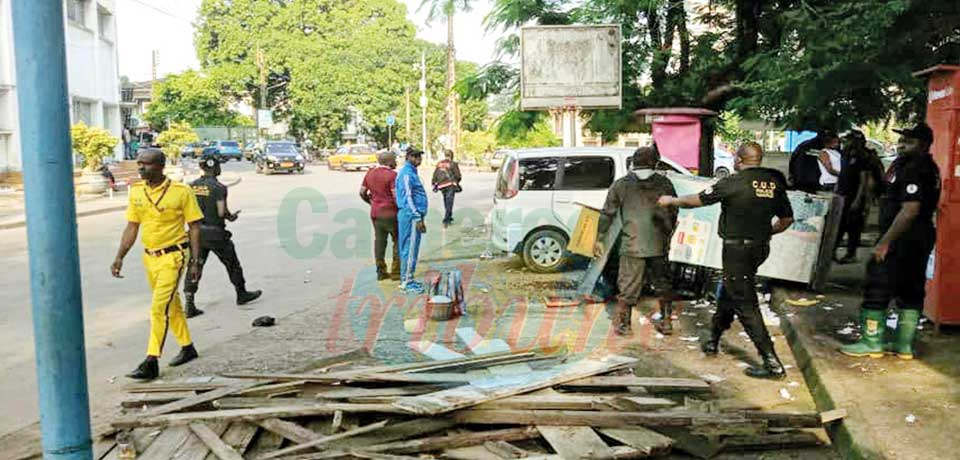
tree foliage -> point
(320, 59)
(192, 98)
(800, 63)
(476, 145)
(175, 138)
(92, 144)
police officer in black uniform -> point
(214, 236)
(897, 270)
(749, 201)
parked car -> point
(191, 150)
(497, 159)
(280, 157)
(353, 157)
(535, 198)
(722, 163)
(226, 150)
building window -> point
(76, 11)
(104, 23)
(83, 112)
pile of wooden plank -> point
(494, 406)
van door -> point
(581, 179)
(528, 206)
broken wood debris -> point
(560, 409)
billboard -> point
(570, 66)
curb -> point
(850, 440)
(22, 222)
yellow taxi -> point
(353, 157)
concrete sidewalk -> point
(897, 409)
(13, 214)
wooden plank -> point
(786, 419)
(433, 350)
(264, 443)
(396, 432)
(575, 442)
(772, 441)
(356, 392)
(274, 389)
(505, 450)
(648, 383)
(592, 418)
(244, 402)
(648, 442)
(323, 440)
(697, 446)
(377, 456)
(639, 403)
(573, 402)
(167, 387)
(195, 448)
(214, 443)
(455, 441)
(832, 415)
(498, 387)
(337, 421)
(154, 398)
(288, 430)
(731, 427)
(469, 453)
(166, 444)
(187, 418)
(238, 436)
(196, 400)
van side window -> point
(538, 173)
(587, 173)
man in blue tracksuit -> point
(412, 205)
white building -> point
(93, 74)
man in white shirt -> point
(830, 163)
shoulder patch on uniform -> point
(912, 188)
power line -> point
(162, 11)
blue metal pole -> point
(51, 228)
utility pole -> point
(154, 64)
(406, 118)
(423, 100)
(41, 72)
(261, 65)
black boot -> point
(187, 354)
(149, 369)
(190, 308)
(244, 296)
(382, 270)
(395, 269)
(712, 345)
(771, 369)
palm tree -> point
(447, 9)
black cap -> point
(922, 132)
(209, 162)
(413, 151)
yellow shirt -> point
(162, 213)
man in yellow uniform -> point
(162, 207)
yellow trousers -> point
(166, 311)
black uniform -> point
(749, 200)
(902, 275)
(214, 235)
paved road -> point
(278, 247)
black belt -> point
(167, 250)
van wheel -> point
(543, 251)
(720, 173)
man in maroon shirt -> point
(378, 191)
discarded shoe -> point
(244, 297)
(149, 369)
(264, 321)
(187, 354)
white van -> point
(535, 208)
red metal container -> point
(943, 115)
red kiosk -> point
(943, 116)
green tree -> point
(476, 145)
(192, 98)
(175, 138)
(92, 144)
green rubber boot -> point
(872, 323)
(906, 331)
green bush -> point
(175, 138)
(92, 144)
(477, 145)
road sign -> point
(570, 66)
(391, 120)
